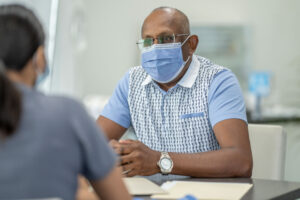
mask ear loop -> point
(183, 44)
(186, 61)
(186, 40)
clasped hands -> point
(136, 158)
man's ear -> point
(193, 43)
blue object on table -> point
(188, 197)
(259, 83)
(136, 198)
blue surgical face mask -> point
(164, 62)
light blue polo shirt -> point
(225, 98)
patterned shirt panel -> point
(177, 120)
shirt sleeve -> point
(225, 98)
(117, 108)
(98, 159)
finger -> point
(114, 145)
(126, 172)
(126, 159)
(132, 173)
(128, 167)
(127, 141)
(123, 149)
(118, 150)
(113, 142)
(128, 148)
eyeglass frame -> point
(141, 41)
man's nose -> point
(155, 41)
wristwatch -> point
(165, 163)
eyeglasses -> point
(163, 39)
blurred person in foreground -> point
(45, 142)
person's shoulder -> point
(69, 103)
(137, 73)
(208, 65)
(225, 74)
(59, 104)
(224, 79)
(53, 110)
(39, 100)
(135, 69)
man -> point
(188, 113)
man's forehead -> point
(160, 21)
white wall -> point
(95, 43)
(65, 54)
(114, 26)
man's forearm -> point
(227, 162)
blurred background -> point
(92, 43)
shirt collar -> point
(189, 77)
(191, 74)
(147, 80)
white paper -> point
(204, 190)
(142, 186)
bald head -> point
(171, 18)
(164, 22)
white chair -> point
(268, 144)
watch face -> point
(166, 163)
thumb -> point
(129, 141)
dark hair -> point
(10, 105)
(21, 34)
